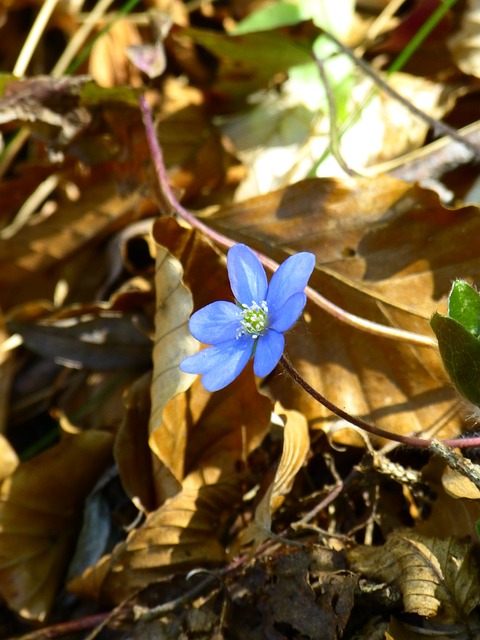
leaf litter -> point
(135, 503)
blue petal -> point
(220, 364)
(247, 276)
(268, 353)
(215, 323)
(291, 277)
(283, 318)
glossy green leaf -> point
(464, 306)
(460, 352)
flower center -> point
(253, 319)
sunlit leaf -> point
(173, 342)
(182, 534)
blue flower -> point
(254, 326)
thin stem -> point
(169, 204)
(412, 441)
(33, 37)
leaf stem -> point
(411, 441)
(169, 205)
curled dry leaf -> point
(386, 251)
(40, 510)
(436, 577)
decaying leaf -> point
(436, 577)
(40, 511)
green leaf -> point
(464, 306)
(248, 62)
(460, 351)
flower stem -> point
(169, 204)
(411, 441)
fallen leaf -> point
(36, 256)
(104, 341)
(173, 342)
(436, 577)
(40, 512)
(296, 445)
(182, 534)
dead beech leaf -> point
(448, 516)
(32, 258)
(296, 445)
(173, 342)
(386, 251)
(183, 533)
(436, 577)
(49, 104)
(459, 486)
(40, 510)
(105, 341)
(206, 436)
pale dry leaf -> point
(465, 42)
(40, 512)
(459, 486)
(436, 577)
(8, 458)
(183, 533)
(448, 516)
(388, 252)
(173, 342)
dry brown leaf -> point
(183, 533)
(191, 145)
(131, 450)
(30, 258)
(459, 486)
(386, 251)
(436, 577)
(40, 510)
